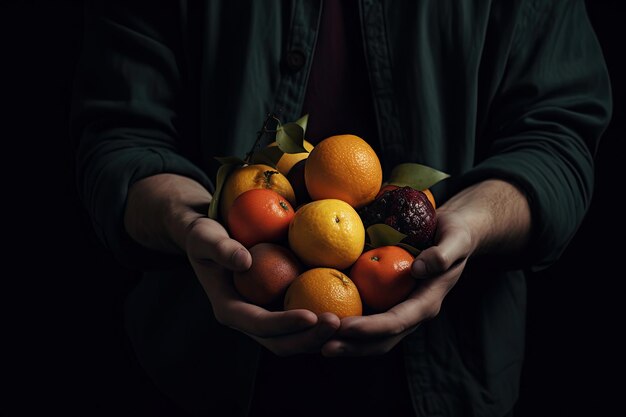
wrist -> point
(497, 216)
(476, 224)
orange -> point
(324, 290)
(383, 276)
(288, 160)
(273, 268)
(390, 187)
(259, 215)
(344, 167)
(250, 177)
(430, 197)
(327, 233)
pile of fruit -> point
(324, 232)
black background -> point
(67, 353)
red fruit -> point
(273, 269)
(259, 215)
(387, 187)
(383, 276)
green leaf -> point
(416, 176)
(413, 251)
(290, 138)
(222, 173)
(303, 122)
(268, 156)
(383, 235)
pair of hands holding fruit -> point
(166, 212)
(296, 331)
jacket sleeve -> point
(125, 114)
(552, 106)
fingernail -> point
(419, 268)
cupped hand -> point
(437, 270)
(214, 256)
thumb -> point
(231, 254)
(208, 241)
(452, 247)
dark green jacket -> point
(513, 89)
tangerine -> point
(250, 177)
(322, 290)
(383, 276)
(259, 215)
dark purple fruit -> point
(408, 211)
(295, 176)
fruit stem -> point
(342, 277)
(268, 178)
(259, 135)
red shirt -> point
(338, 97)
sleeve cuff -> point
(106, 192)
(555, 214)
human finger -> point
(307, 341)
(207, 240)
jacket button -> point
(295, 60)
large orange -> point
(273, 268)
(383, 276)
(322, 290)
(327, 233)
(288, 160)
(344, 167)
(250, 177)
(259, 215)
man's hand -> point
(167, 212)
(489, 217)
(213, 256)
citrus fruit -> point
(259, 215)
(390, 187)
(288, 160)
(327, 233)
(250, 177)
(344, 167)
(430, 197)
(273, 268)
(322, 290)
(383, 276)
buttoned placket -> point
(297, 61)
